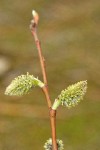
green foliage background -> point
(69, 31)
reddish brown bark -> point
(45, 90)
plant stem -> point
(53, 128)
(45, 89)
(42, 63)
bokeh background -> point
(70, 35)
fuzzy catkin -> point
(48, 144)
(73, 94)
(22, 85)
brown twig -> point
(53, 128)
(52, 112)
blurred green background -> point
(70, 35)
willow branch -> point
(42, 63)
(53, 128)
(33, 28)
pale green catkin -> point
(48, 144)
(22, 85)
(72, 95)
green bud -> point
(22, 85)
(48, 144)
(72, 95)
